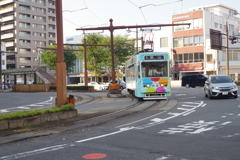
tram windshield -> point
(154, 69)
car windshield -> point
(221, 79)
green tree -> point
(99, 58)
(49, 57)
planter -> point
(30, 121)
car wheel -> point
(187, 85)
(236, 96)
(206, 95)
(209, 95)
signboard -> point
(215, 39)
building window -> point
(209, 58)
(163, 42)
(187, 41)
(220, 26)
(216, 25)
(178, 42)
(198, 40)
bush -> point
(24, 114)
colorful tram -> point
(148, 75)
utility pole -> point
(227, 54)
(60, 65)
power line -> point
(93, 13)
(155, 5)
(159, 4)
(74, 10)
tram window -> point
(154, 69)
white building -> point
(74, 77)
(190, 47)
(4, 62)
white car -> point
(97, 86)
(122, 84)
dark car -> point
(220, 86)
(193, 80)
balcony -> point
(25, 52)
(25, 61)
(7, 27)
(25, 43)
(3, 2)
(8, 18)
(6, 9)
(8, 35)
(10, 44)
(11, 61)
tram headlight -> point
(146, 85)
(163, 85)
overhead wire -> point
(155, 5)
(86, 8)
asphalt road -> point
(197, 128)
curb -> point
(30, 121)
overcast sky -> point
(96, 13)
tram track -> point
(137, 107)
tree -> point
(49, 57)
(99, 58)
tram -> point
(148, 75)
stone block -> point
(43, 118)
(31, 121)
(16, 123)
(71, 113)
(62, 115)
(52, 117)
(3, 124)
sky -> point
(96, 13)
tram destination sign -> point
(154, 57)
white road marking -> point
(41, 104)
(188, 112)
(141, 119)
(187, 98)
(105, 135)
(23, 107)
(29, 153)
(3, 111)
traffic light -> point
(233, 39)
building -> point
(75, 77)
(191, 51)
(26, 25)
(3, 54)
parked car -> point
(220, 86)
(122, 84)
(193, 80)
(97, 86)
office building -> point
(26, 25)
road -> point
(196, 128)
(18, 101)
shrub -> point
(24, 114)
